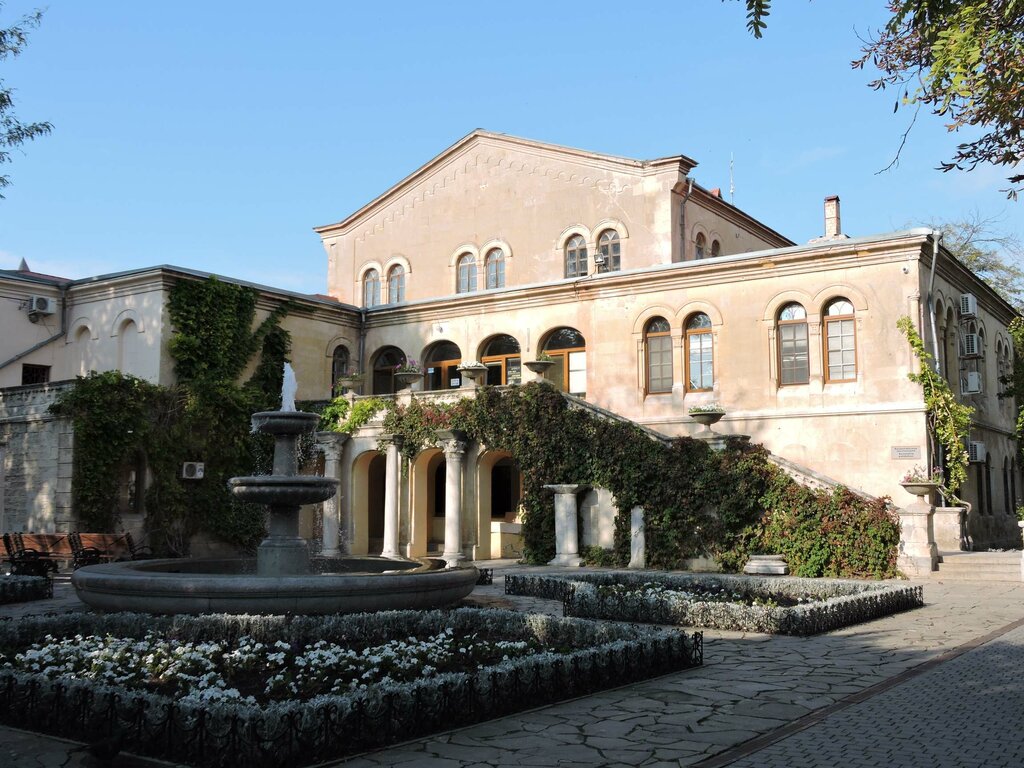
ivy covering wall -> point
(204, 417)
(728, 504)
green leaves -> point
(757, 10)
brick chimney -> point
(833, 226)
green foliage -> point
(949, 421)
(599, 557)
(1014, 383)
(204, 417)
(696, 501)
(339, 416)
(14, 133)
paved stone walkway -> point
(966, 711)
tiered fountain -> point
(281, 579)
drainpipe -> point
(62, 332)
(362, 340)
(936, 239)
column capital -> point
(394, 439)
(452, 441)
(567, 487)
(331, 443)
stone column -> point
(453, 443)
(335, 533)
(392, 480)
(918, 555)
(567, 548)
(637, 539)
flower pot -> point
(920, 488)
(539, 366)
(406, 379)
(707, 418)
(474, 373)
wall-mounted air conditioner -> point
(968, 305)
(971, 345)
(42, 305)
(193, 470)
(971, 383)
(976, 452)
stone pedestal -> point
(335, 531)
(766, 565)
(949, 529)
(567, 547)
(453, 443)
(918, 554)
(637, 539)
(392, 479)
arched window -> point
(339, 367)
(494, 264)
(503, 361)
(699, 244)
(700, 363)
(576, 257)
(568, 350)
(442, 363)
(610, 248)
(794, 365)
(467, 274)
(396, 284)
(716, 248)
(658, 353)
(371, 288)
(840, 341)
(384, 364)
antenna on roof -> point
(732, 185)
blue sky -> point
(216, 135)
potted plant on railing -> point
(921, 483)
(473, 370)
(541, 364)
(408, 373)
(707, 414)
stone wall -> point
(37, 451)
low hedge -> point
(838, 603)
(597, 656)
(21, 589)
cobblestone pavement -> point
(751, 686)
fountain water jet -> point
(283, 581)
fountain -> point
(281, 580)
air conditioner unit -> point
(976, 452)
(968, 305)
(42, 305)
(971, 346)
(193, 470)
(971, 383)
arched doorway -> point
(384, 364)
(427, 483)
(504, 362)
(368, 481)
(442, 361)
(499, 494)
(568, 350)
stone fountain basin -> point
(283, 489)
(284, 422)
(231, 586)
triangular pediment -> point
(483, 149)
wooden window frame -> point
(609, 245)
(465, 268)
(576, 256)
(396, 276)
(371, 282)
(829, 319)
(779, 325)
(495, 257)
(688, 335)
(660, 335)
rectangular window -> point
(577, 373)
(794, 367)
(842, 354)
(35, 374)
(700, 362)
(659, 364)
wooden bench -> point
(40, 554)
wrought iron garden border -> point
(329, 727)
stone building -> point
(649, 293)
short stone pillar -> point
(335, 533)
(950, 529)
(453, 443)
(918, 555)
(766, 565)
(567, 540)
(637, 539)
(392, 480)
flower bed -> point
(20, 589)
(305, 690)
(821, 605)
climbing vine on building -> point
(203, 417)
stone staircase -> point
(979, 566)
